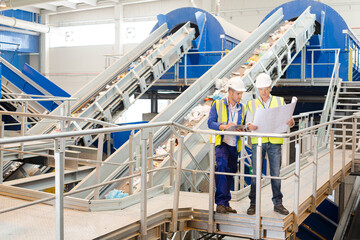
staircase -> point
(347, 102)
(321, 224)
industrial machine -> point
(298, 44)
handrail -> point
(145, 129)
(57, 117)
(150, 125)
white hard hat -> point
(263, 80)
(237, 84)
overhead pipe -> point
(217, 7)
(13, 22)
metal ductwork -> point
(13, 22)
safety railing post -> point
(131, 164)
(171, 155)
(305, 136)
(315, 173)
(297, 185)
(343, 153)
(98, 165)
(22, 131)
(312, 136)
(185, 69)
(353, 141)
(259, 160)
(2, 129)
(331, 167)
(151, 159)
(143, 207)
(211, 187)
(301, 126)
(177, 184)
(59, 156)
(242, 163)
(312, 67)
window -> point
(100, 34)
(135, 32)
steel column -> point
(171, 155)
(2, 129)
(177, 185)
(303, 64)
(99, 158)
(150, 160)
(343, 153)
(131, 164)
(315, 172)
(297, 186)
(143, 210)
(211, 187)
(331, 168)
(259, 160)
(59, 156)
(22, 131)
(353, 141)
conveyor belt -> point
(113, 91)
(109, 94)
(301, 30)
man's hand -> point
(252, 127)
(291, 122)
(225, 127)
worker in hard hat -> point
(225, 113)
(271, 146)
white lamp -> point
(3, 4)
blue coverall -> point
(226, 158)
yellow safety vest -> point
(253, 105)
(221, 110)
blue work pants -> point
(274, 155)
(226, 161)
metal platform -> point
(193, 213)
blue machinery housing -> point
(213, 36)
(332, 32)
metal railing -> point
(146, 172)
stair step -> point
(348, 93)
(340, 98)
(348, 104)
(352, 87)
(347, 110)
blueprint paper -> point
(273, 120)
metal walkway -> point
(193, 212)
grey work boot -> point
(251, 209)
(281, 209)
(221, 209)
(230, 210)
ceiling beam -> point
(49, 7)
(71, 5)
(90, 2)
(129, 2)
(30, 9)
(80, 7)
